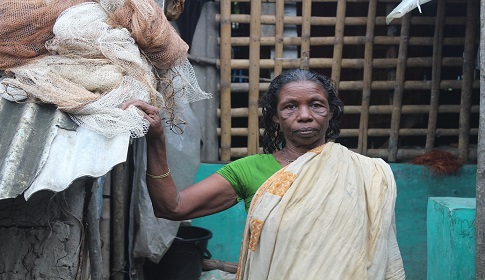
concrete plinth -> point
(451, 238)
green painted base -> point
(451, 238)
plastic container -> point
(183, 261)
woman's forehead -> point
(302, 87)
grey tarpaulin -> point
(150, 237)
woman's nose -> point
(305, 113)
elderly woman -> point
(316, 210)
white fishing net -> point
(94, 65)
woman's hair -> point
(272, 138)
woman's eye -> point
(318, 108)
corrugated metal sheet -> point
(42, 148)
(27, 133)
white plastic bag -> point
(405, 7)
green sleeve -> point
(247, 174)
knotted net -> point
(90, 57)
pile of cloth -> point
(88, 57)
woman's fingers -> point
(150, 113)
(148, 110)
(127, 104)
(142, 105)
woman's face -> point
(303, 114)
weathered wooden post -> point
(480, 214)
(119, 199)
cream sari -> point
(328, 215)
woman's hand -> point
(150, 113)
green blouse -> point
(247, 174)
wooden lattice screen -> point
(408, 87)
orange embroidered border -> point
(317, 150)
(282, 183)
(256, 229)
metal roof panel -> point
(41, 146)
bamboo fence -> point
(408, 87)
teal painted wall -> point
(226, 227)
(415, 185)
(451, 238)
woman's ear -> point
(276, 120)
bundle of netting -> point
(88, 58)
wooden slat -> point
(376, 85)
(225, 77)
(350, 21)
(398, 91)
(366, 92)
(305, 34)
(436, 75)
(279, 41)
(254, 70)
(394, 2)
(348, 40)
(339, 42)
(355, 63)
(469, 56)
(404, 155)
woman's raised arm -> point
(208, 196)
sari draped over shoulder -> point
(328, 215)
